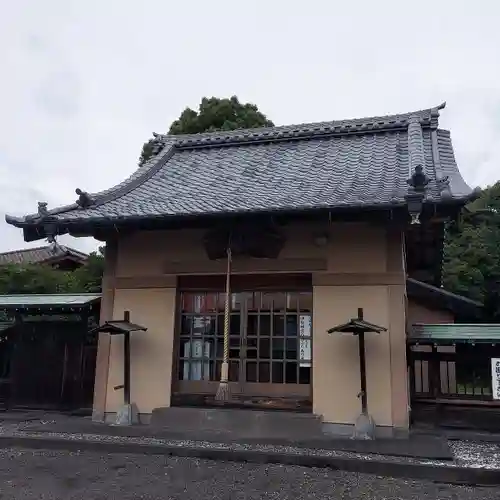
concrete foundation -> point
(348, 430)
(243, 424)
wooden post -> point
(362, 367)
(435, 373)
(126, 362)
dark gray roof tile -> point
(361, 162)
(39, 255)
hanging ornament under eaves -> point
(48, 222)
(51, 232)
(262, 241)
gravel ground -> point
(466, 453)
(92, 476)
(477, 455)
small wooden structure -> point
(47, 351)
(358, 326)
(122, 327)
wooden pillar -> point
(104, 341)
(400, 399)
(362, 367)
(126, 362)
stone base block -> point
(127, 415)
(364, 427)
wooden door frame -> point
(279, 283)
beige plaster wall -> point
(151, 351)
(148, 253)
(360, 266)
(336, 378)
(418, 313)
(336, 360)
(358, 249)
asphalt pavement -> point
(37, 474)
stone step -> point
(238, 424)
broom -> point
(223, 392)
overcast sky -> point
(84, 83)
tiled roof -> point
(40, 255)
(25, 301)
(452, 333)
(443, 299)
(342, 164)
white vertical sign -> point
(305, 325)
(305, 340)
(305, 352)
(495, 377)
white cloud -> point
(85, 83)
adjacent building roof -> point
(439, 298)
(60, 300)
(359, 163)
(454, 333)
(41, 255)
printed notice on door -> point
(495, 377)
(305, 340)
(305, 352)
(305, 325)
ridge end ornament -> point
(443, 182)
(417, 185)
(157, 144)
(47, 221)
(419, 180)
(84, 199)
(43, 211)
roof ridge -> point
(442, 180)
(138, 177)
(427, 116)
(147, 170)
(23, 250)
(64, 248)
(444, 291)
(415, 145)
(71, 249)
(392, 118)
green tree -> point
(213, 114)
(31, 278)
(88, 278)
(36, 278)
(472, 252)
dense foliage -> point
(37, 278)
(472, 252)
(213, 114)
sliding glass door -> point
(270, 343)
